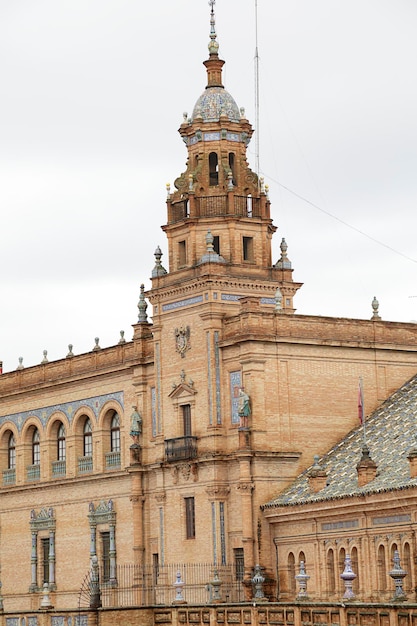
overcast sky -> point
(92, 93)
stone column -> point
(136, 499)
(245, 488)
(34, 560)
(93, 536)
(112, 553)
(51, 559)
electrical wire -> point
(338, 219)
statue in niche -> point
(243, 410)
(135, 425)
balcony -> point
(180, 449)
(9, 477)
(85, 464)
(33, 472)
(58, 468)
(112, 460)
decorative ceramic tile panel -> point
(67, 408)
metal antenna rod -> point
(256, 93)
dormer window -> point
(213, 169)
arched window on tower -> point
(232, 165)
(213, 169)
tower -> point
(220, 267)
(218, 217)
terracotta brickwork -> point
(182, 482)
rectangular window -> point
(239, 563)
(189, 518)
(45, 559)
(182, 253)
(216, 244)
(105, 556)
(155, 568)
(186, 419)
(248, 249)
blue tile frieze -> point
(67, 408)
(180, 303)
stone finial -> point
(348, 576)
(317, 476)
(45, 357)
(229, 181)
(46, 601)
(168, 188)
(213, 44)
(122, 339)
(210, 256)
(70, 352)
(179, 587)
(375, 309)
(96, 346)
(158, 270)
(258, 584)
(278, 300)
(302, 578)
(283, 263)
(142, 306)
(20, 366)
(398, 574)
(366, 468)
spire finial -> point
(213, 45)
(142, 305)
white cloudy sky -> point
(92, 93)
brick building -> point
(160, 451)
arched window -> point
(406, 564)
(213, 169)
(330, 572)
(291, 574)
(61, 444)
(382, 570)
(88, 438)
(232, 166)
(11, 452)
(342, 558)
(36, 448)
(115, 433)
(355, 568)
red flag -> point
(361, 408)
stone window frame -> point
(103, 518)
(42, 526)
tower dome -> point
(214, 102)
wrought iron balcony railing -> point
(180, 449)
